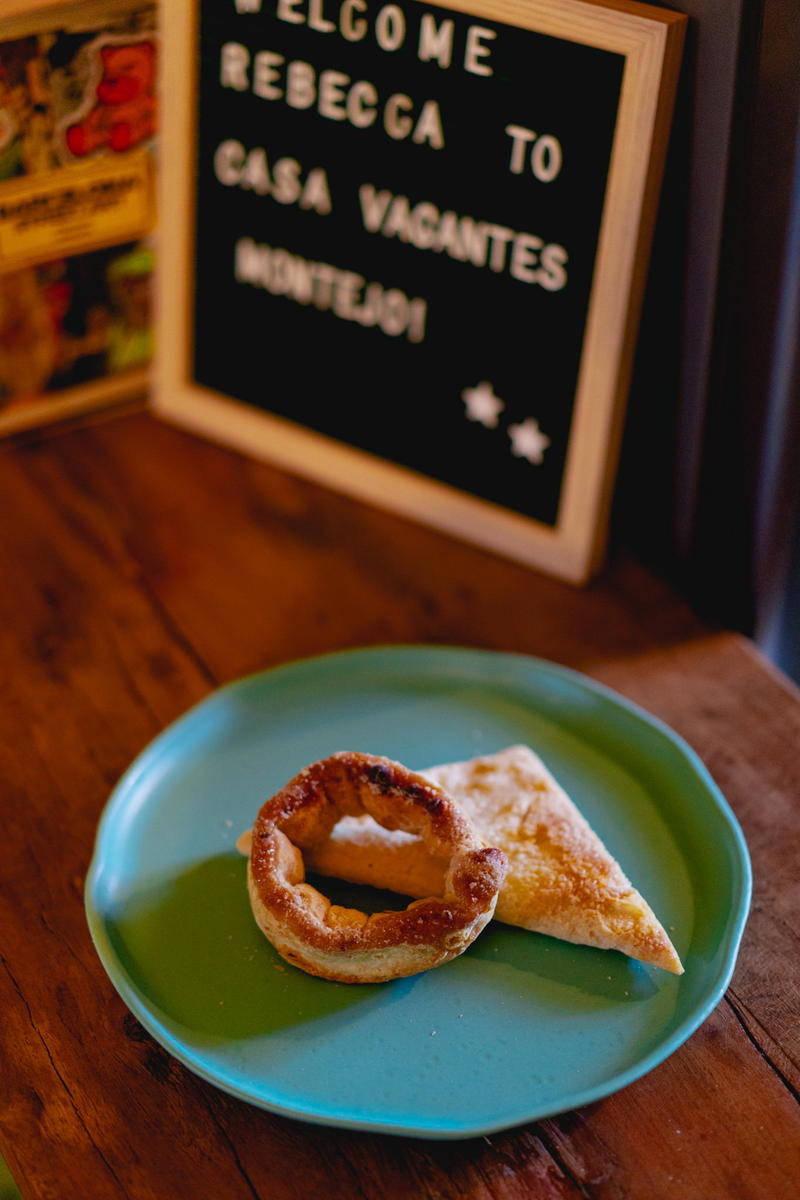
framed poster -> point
(404, 246)
(77, 206)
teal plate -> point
(519, 1027)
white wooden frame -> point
(651, 40)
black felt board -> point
(401, 399)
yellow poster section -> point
(76, 208)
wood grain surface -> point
(141, 568)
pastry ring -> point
(342, 943)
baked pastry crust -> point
(561, 880)
(344, 944)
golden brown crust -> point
(561, 879)
(344, 944)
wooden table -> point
(141, 568)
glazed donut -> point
(344, 944)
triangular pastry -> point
(561, 879)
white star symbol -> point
(482, 404)
(528, 441)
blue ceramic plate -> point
(519, 1027)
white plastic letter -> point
(264, 75)
(435, 43)
(352, 29)
(390, 27)
(286, 12)
(520, 137)
(396, 126)
(332, 86)
(361, 101)
(301, 91)
(228, 162)
(234, 61)
(475, 50)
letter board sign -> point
(404, 246)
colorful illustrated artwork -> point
(119, 108)
(71, 321)
(26, 111)
(83, 92)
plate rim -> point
(140, 1007)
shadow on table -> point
(604, 975)
(189, 944)
(8, 1188)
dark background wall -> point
(708, 482)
